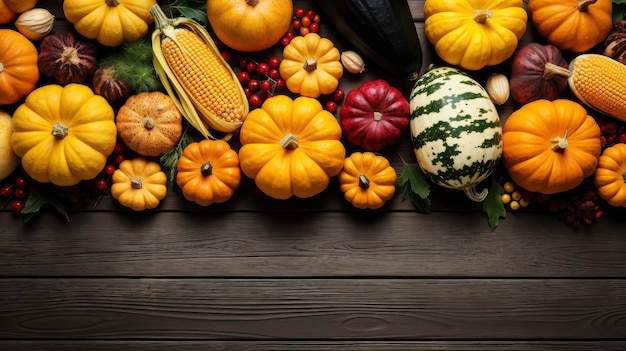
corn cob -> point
(202, 84)
(600, 83)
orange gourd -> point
(573, 25)
(610, 176)
(208, 172)
(367, 180)
(250, 25)
(9, 9)
(550, 146)
(19, 72)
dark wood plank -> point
(184, 345)
(245, 244)
(313, 309)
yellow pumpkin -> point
(139, 184)
(572, 25)
(250, 25)
(110, 22)
(474, 34)
(8, 158)
(311, 65)
(291, 147)
(367, 180)
(149, 123)
(208, 172)
(9, 9)
(610, 175)
(64, 134)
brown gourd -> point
(149, 123)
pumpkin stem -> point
(364, 182)
(584, 4)
(135, 183)
(70, 55)
(550, 70)
(60, 130)
(310, 65)
(378, 116)
(148, 123)
(474, 194)
(206, 169)
(559, 143)
(289, 141)
(112, 3)
(481, 16)
(252, 3)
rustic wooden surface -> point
(311, 274)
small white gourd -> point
(35, 23)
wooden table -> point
(311, 274)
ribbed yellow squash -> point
(291, 147)
(64, 134)
(473, 34)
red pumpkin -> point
(375, 115)
(67, 58)
(538, 72)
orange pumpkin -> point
(208, 172)
(9, 9)
(610, 176)
(572, 25)
(550, 146)
(19, 72)
(250, 25)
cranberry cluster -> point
(15, 190)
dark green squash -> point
(382, 30)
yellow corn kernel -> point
(203, 76)
(600, 82)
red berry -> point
(290, 35)
(243, 62)
(331, 106)
(20, 193)
(265, 85)
(243, 77)
(17, 206)
(119, 148)
(251, 67)
(296, 24)
(101, 184)
(227, 55)
(306, 21)
(109, 169)
(255, 100)
(338, 95)
(299, 12)
(280, 83)
(21, 182)
(119, 158)
(262, 68)
(6, 191)
(274, 62)
(285, 41)
(253, 85)
(247, 91)
(273, 73)
(310, 14)
(314, 27)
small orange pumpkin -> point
(367, 180)
(19, 72)
(550, 146)
(610, 176)
(250, 25)
(208, 172)
(572, 25)
(149, 123)
(9, 9)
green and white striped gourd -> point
(455, 130)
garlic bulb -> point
(35, 23)
(498, 88)
(352, 62)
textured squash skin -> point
(455, 129)
(8, 158)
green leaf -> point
(493, 206)
(194, 9)
(38, 199)
(619, 10)
(414, 185)
(169, 160)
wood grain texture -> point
(313, 309)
